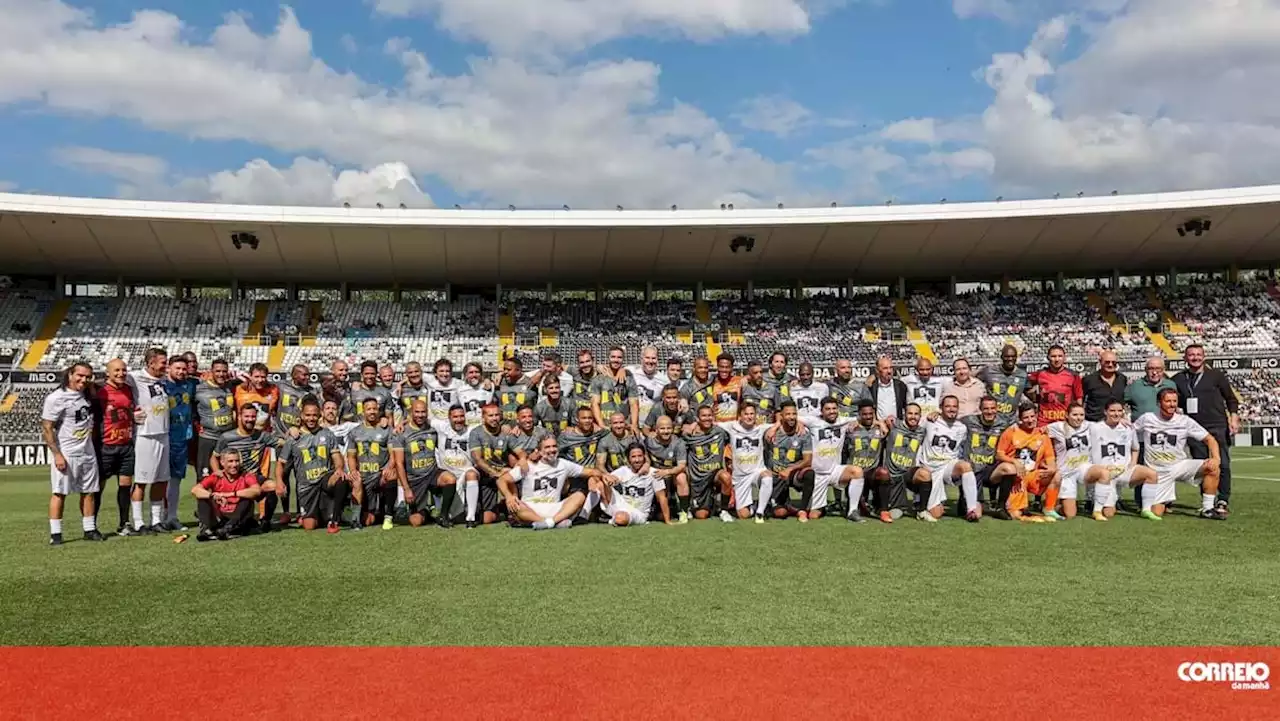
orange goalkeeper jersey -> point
(1032, 450)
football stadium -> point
(994, 425)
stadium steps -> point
(684, 335)
(315, 313)
(8, 403)
(548, 337)
(1104, 310)
(1167, 318)
(253, 336)
(736, 337)
(275, 357)
(1158, 340)
(48, 329)
(506, 335)
(703, 310)
(914, 334)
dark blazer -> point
(899, 392)
(1216, 399)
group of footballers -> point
(601, 442)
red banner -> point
(557, 683)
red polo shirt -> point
(220, 484)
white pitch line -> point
(1255, 478)
(1247, 457)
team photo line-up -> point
(629, 445)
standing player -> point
(808, 394)
(845, 390)
(1026, 449)
(515, 389)
(416, 387)
(616, 393)
(788, 456)
(367, 388)
(261, 394)
(704, 449)
(292, 392)
(942, 462)
(1007, 383)
(1113, 451)
(579, 393)
(902, 447)
(668, 458)
(475, 393)
(151, 445)
(924, 389)
(1055, 387)
(215, 413)
(778, 376)
(1164, 437)
(116, 407)
(179, 390)
(546, 500)
(552, 367)
(374, 457)
(682, 421)
(257, 449)
(553, 413)
(755, 390)
(696, 389)
(744, 458)
(319, 471)
(421, 470)
(488, 444)
(630, 501)
(67, 425)
(337, 387)
(726, 391)
(648, 381)
(1071, 446)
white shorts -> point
(821, 482)
(151, 460)
(1072, 479)
(942, 474)
(1165, 490)
(635, 516)
(546, 509)
(81, 476)
(1121, 476)
(744, 487)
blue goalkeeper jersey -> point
(181, 407)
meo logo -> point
(1243, 676)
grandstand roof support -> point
(1115, 278)
(59, 286)
(902, 287)
(697, 292)
(951, 287)
(1233, 273)
(1173, 276)
(1060, 283)
(648, 291)
(750, 292)
(551, 292)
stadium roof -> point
(143, 241)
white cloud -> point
(1001, 9)
(130, 167)
(348, 43)
(912, 130)
(773, 114)
(590, 135)
(8, 186)
(556, 25)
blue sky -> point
(646, 103)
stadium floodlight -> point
(943, 201)
(833, 203)
(511, 207)
(457, 207)
(403, 206)
(673, 206)
(1080, 194)
(730, 206)
(564, 207)
(347, 205)
(1057, 195)
(1115, 192)
(779, 206)
(999, 198)
(723, 206)
(379, 205)
(619, 208)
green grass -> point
(1184, 581)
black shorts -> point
(116, 461)
(316, 501)
(781, 496)
(702, 492)
(423, 487)
(984, 476)
(204, 451)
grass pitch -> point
(1130, 581)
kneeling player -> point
(1071, 438)
(374, 461)
(1027, 450)
(424, 477)
(1164, 436)
(319, 473)
(1113, 451)
(941, 463)
(744, 456)
(629, 502)
(539, 502)
(830, 436)
(224, 499)
(902, 448)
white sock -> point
(1148, 496)
(566, 523)
(89, 523)
(1206, 501)
(136, 506)
(171, 495)
(472, 491)
(157, 512)
(399, 495)
(55, 526)
(766, 491)
(593, 500)
(855, 494)
(543, 524)
(969, 486)
(1098, 492)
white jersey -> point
(543, 482)
(639, 491)
(1112, 447)
(1165, 441)
(440, 398)
(648, 390)
(151, 398)
(1071, 445)
(341, 431)
(452, 450)
(747, 448)
(828, 444)
(473, 399)
(808, 399)
(926, 394)
(72, 419)
(943, 442)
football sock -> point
(1006, 489)
(123, 501)
(447, 495)
(136, 507)
(682, 503)
(270, 507)
(766, 492)
(55, 526)
(1206, 501)
(855, 492)
(969, 487)
(1050, 499)
(473, 499)
(171, 495)
(89, 523)
(157, 512)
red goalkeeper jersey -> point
(1056, 391)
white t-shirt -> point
(926, 394)
(341, 431)
(1072, 445)
(886, 402)
(452, 452)
(638, 490)
(543, 482)
(648, 390)
(72, 419)
(828, 444)
(473, 399)
(748, 447)
(943, 442)
(808, 399)
(1109, 446)
(152, 399)
(1165, 441)
(441, 398)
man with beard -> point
(980, 450)
(1164, 435)
(66, 422)
(696, 390)
(553, 412)
(611, 453)
(579, 393)
(215, 413)
(374, 457)
(1026, 449)
(615, 392)
(315, 459)
(515, 389)
(522, 441)
(225, 499)
(669, 408)
(552, 367)
(256, 449)
(726, 391)
(648, 381)
(778, 377)
(454, 458)
(942, 462)
(475, 393)
(547, 499)
(1205, 395)
(924, 389)
(151, 441)
(830, 435)
(630, 501)
(705, 448)
(260, 393)
(845, 390)
(488, 445)
(116, 406)
(755, 390)
(902, 447)
(1113, 453)
(369, 388)
(1055, 387)
(179, 390)
(808, 394)
(965, 387)
(887, 393)
(668, 458)
(745, 459)
(421, 470)
(1007, 383)
(788, 456)
(337, 387)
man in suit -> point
(888, 393)
(1205, 395)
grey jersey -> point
(901, 448)
(614, 450)
(256, 450)
(308, 456)
(614, 396)
(666, 456)
(766, 397)
(846, 395)
(554, 419)
(579, 393)
(419, 450)
(787, 449)
(526, 443)
(513, 395)
(289, 414)
(704, 453)
(697, 393)
(1007, 388)
(579, 448)
(372, 447)
(359, 393)
(491, 447)
(409, 395)
(781, 383)
(864, 446)
(678, 419)
(980, 445)
(216, 409)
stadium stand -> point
(20, 314)
(820, 328)
(1239, 319)
(631, 324)
(20, 415)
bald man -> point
(114, 406)
(887, 393)
(1103, 386)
